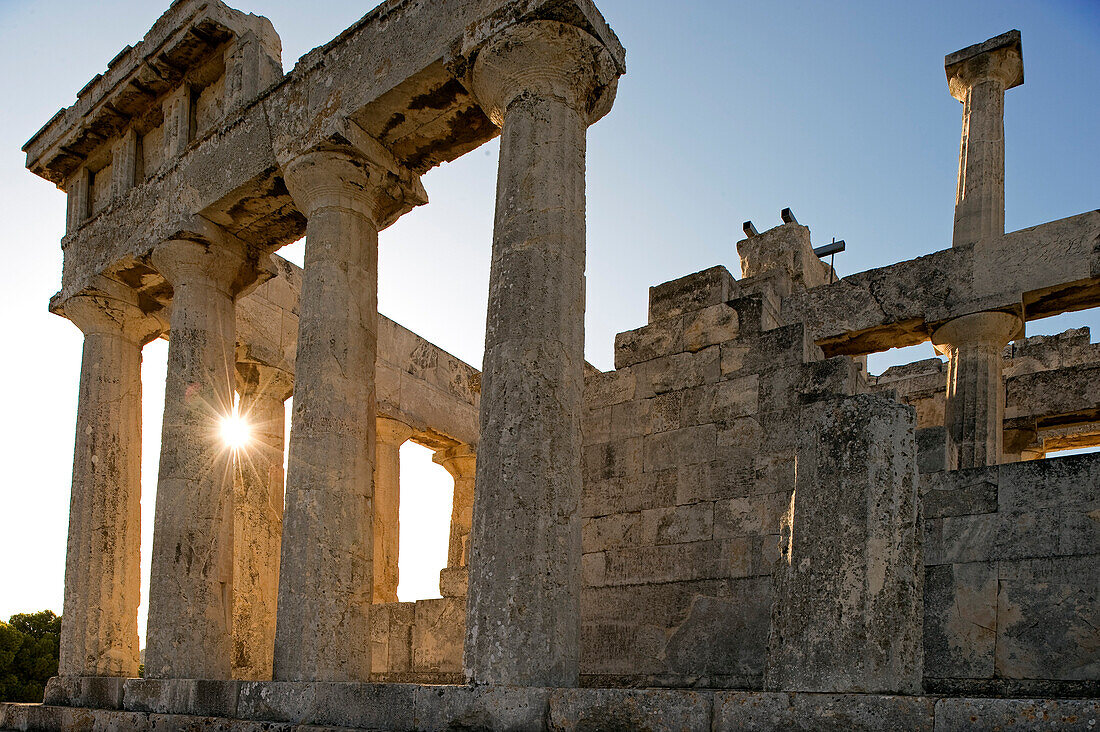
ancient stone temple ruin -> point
(738, 527)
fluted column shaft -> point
(99, 633)
(391, 434)
(326, 573)
(979, 80)
(536, 81)
(974, 408)
(258, 518)
(461, 463)
(980, 198)
(190, 587)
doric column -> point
(974, 409)
(258, 517)
(99, 635)
(326, 575)
(390, 435)
(461, 463)
(978, 77)
(190, 586)
(543, 83)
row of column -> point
(102, 563)
(543, 83)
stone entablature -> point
(195, 66)
(401, 101)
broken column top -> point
(184, 45)
(1002, 56)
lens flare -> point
(235, 431)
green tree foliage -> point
(29, 648)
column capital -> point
(390, 431)
(544, 58)
(346, 177)
(197, 257)
(109, 308)
(993, 329)
(460, 461)
(1000, 59)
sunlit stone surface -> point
(737, 527)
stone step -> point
(317, 707)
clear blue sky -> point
(729, 111)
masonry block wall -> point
(690, 453)
(689, 464)
(1012, 578)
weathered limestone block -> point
(258, 517)
(753, 710)
(931, 449)
(847, 614)
(98, 692)
(783, 251)
(633, 492)
(40, 717)
(102, 563)
(960, 620)
(978, 76)
(200, 697)
(1016, 715)
(959, 493)
(190, 587)
(1072, 347)
(723, 639)
(390, 435)
(492, 708)
(1072, 481)
(710, 326)
(652, 710)
(661, 338)
(1048, 618)
(612, 387)
(326, 573)
(454, 581)
(678, 371)
(523, 621)
(437, 634)
(391, 637)
(696, 291)
(328, 704)
(252, 63)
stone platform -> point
(143, 704)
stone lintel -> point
(1007, 43)
(1038, 272)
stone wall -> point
(689, 464)
(1012, 578)
(418, 641)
